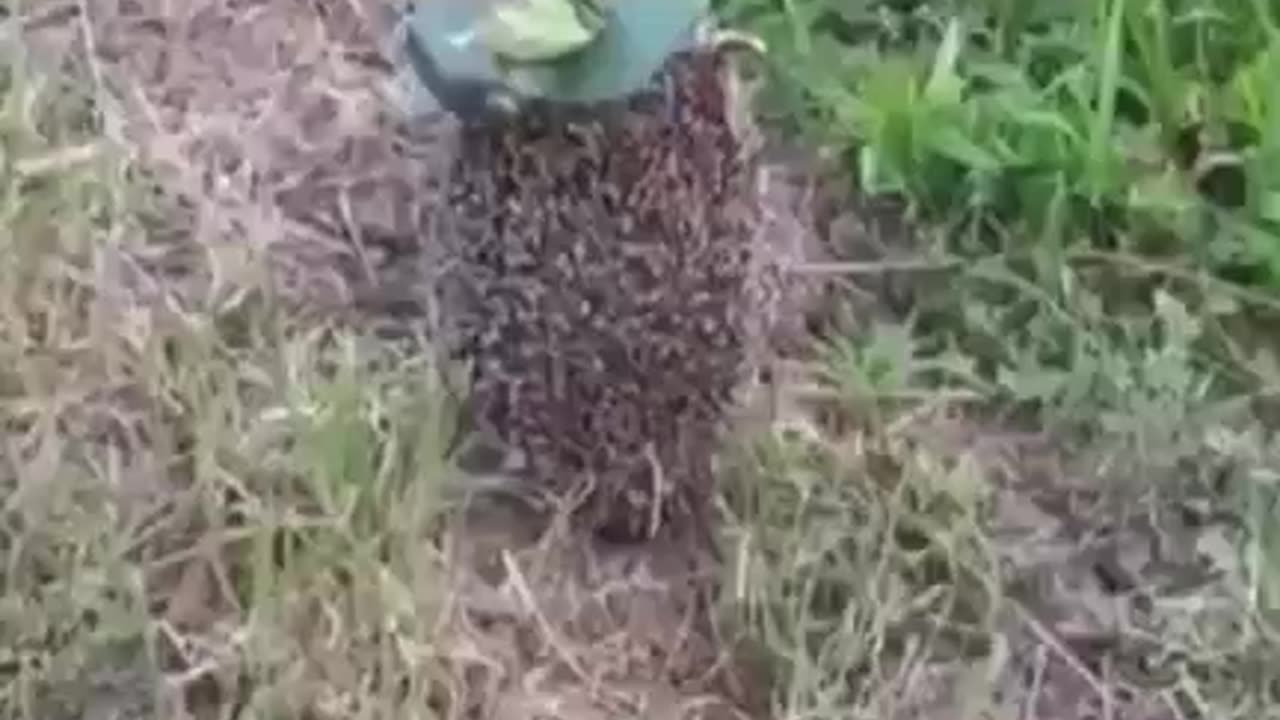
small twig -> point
(1154, 267)
(551, 635)
(1134, 262)
(874, 267)
(1037, 685)
(58, 161)
(357, 236)
(91, 48)
(226, 538)
(1050, 639)
(659, 487)
(1108, 702)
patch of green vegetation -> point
(1044, 486)
(1116, 123)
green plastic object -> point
(464, 74)
(541, 30)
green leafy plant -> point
(1145, 120)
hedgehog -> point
(611, 265)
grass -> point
(1091, 198)
(191, 479)
(1042, 483)
(1138, 123)
(949, 561)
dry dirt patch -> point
(276, 125)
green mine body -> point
(466, 77)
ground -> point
(224, 474)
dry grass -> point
(220, 491)
(224, 469)
(899, 553)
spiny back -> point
(608, 262)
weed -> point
(1046, 120)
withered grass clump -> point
(609, 264)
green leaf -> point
(636, 40)
(1269, 206)
(952, 142)
(539, 30)
(945, 84)
(1101, 155)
